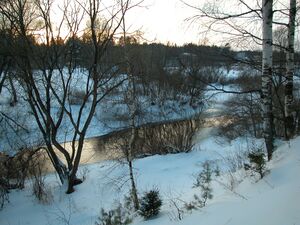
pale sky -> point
(159, 20)
(164, 20)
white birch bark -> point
(267, 10)
(288, 101)
(132, 105)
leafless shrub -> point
(37, 171)
(176, 205)
(83, 173)
(236, 160)
(113, 217)
(122, 214)
(182, 207)
(4, 198)
(153, 138)
(4, 182)
(15, 169)
(178, 212)
(170, 137)
(245, 114)
(64, 215)
(230, 185)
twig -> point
(234, 192)
(15, 122)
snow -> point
(273, 200)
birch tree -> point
(132, 108)
(290, 70)
(267, 15)
(241, 27)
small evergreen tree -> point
(203, 181)
(258, 163)
(150, 204)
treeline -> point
(153, 54)
(147, 56)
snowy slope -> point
(272, 201)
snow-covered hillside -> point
(238, 198)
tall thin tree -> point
(132, 106)
(267, 105)
(290, 70)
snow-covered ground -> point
(238, 198)
(271, 201)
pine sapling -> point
(258, 163)
(150, 204)
(203, 181)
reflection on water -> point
(107, 147)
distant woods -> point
(147, 55)
(149, 59)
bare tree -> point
(47, 75)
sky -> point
(159, 20)
(165, 21)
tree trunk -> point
(132, 144)
(2, 80)
(267, 76)
(14, 99)
(135, 198)
(252, 116)
(288, 100)
(72, 178)
(132, 106)
(57, 164)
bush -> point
(195, 204)
(242, 117)
(3, 194)
(170, 137)
(4, 183)
(115, 216)
(121, 215)
(39, 188)
(150, 204)
(257, 163)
